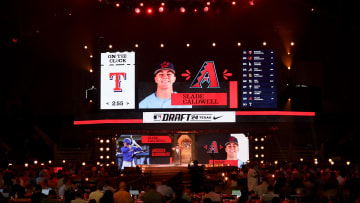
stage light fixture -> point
(90, 70)
(42, 164)
(162, 45)
(256, 147)
(301, 159)
(214, 44)
(50, 161)
(101, 157)
(83, 163)
(256, 139)
(195, 10)
(107, 149)
(206, 9)
(64, 161)
(292, 43)
(262, 147)
(264, 43)
(208, 3)
(26, 164)
(91, 56)
(107, 164)
(348, 163)
(162, 4)
(107, 157)
(262, 155)
(182, 10)
(233, 3)
(188, 45)
(85, 47)
(262, 139)
(97, 163)
(275, 162)
(149, 11)
(288, 67)
(251, 2)
(117, 5)
(256, 155)
(35, 162)
(137, 10)
(161, 9)
(101, 149)
(107, 141)
(136, 45)
(110, 46)
(10, 164)
(101, 141)
(239, 44)
(141, 4)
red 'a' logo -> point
(207, 74)
(213, 148)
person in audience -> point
(122, 196)
(152, 196)
(51, 198)
(178, 197)
(78, 197)
(263, 187)
(165, 190)
(18, 189)
(212, 195)
(269, 196)
(69, 195)
(97, 194)
(108, 197)
(37, 196)
(252, 177)
(108, 186)
(66, 185)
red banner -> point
(199, 99)
(155, 139)
(159, 152)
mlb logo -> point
(157, 117)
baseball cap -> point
(232, 140)
(127, 141)
(166, 65)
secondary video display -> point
(230, 149)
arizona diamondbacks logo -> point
(207, 74)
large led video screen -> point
(132, 82)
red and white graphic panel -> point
(117, 80)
